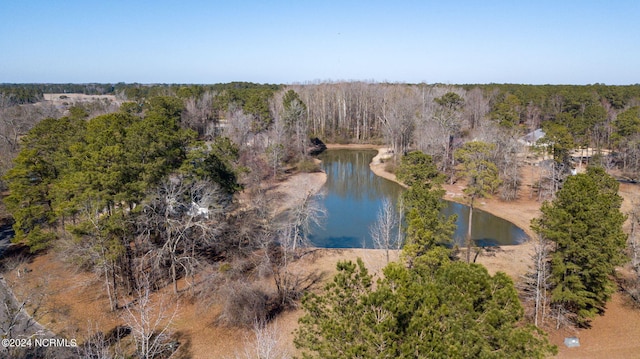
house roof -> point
(533, 137)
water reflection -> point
(349, 176)
(488, 230)
(354, 194)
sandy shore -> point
(77, 298)
(513, 260)
(295, 188)
(611, 335)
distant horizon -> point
(283, 42)
(312, 83)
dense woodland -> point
(144, 191)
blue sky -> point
(189, 41)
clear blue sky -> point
(189, 41)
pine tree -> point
(585, 223)
(426, 226)
(43, 159)
(343, 322)
(482, 177)
(455, 311)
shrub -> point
(390, 166)
(308, 166)
(243, 304)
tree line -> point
(145, 196)
(134, 197)
(429, 304)
(438, 119)
(434, 118)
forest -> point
(164, 188)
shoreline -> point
(514, 260)
(84, 299)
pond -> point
(353, 195)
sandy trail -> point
(613, 335)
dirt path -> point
(78, 298)
(612, 335)
(513, 260)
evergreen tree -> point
(343, 322)
(215, 163)
(106, 163)
(455, 311)
(426, 226)
(482, 177)
(507, 111)
(43, 159)
(585, 223)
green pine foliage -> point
(73, 167)
(507, 111)
(627, 124)
(481, 175)
(216, 162)
(585, 223)
(455, 311)
(41, 163)
(479, 170)
(428, 307)
(426, 227)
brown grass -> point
(77, 299)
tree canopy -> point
(426, 307)
(585, 223)
(108, 162)
(426, 226)
(455, 311)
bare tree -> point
(291, 235)
(266, 343)
(150, 319)
(632, 285)
(185, 217)
(294, 116)
(276, 144)
(238, 126)
(99, 345)
(476, 107)
(440, 123)
(383, 231)
(300, 218)
(535, 282)
(634, 237)
(533, 116)
(95, 248)
(16, 298)
(398, 116)
(199, 113)
(508, 156)
(22, 304)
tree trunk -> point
(115, 288)
(112, 305)
(469, 240)
(173, 275)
